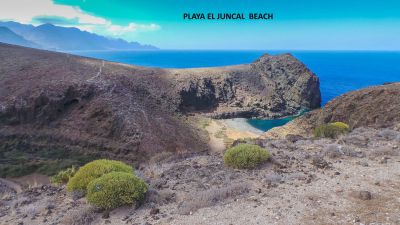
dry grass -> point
(152, 171)
(161, 197)
(383, 151)
(333, 151)
(207, 198)
(336, 151)
(83, 216)
(222, 134)
(273, 178)
(388, 134)
(202, 122)
(32, 209)
(161, 157)
(355, 139)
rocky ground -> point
(352, 180)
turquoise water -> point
(339, 71)
(265, 125)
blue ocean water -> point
(265, 125)
(339, 71)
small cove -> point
(260, 126)
(339, 71)
(268, 124)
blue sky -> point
(297, 25)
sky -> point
(297, 25)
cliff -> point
(272, 86)
(53, 101)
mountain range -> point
(51, 37)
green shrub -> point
(331, 130)
(245, 156)
(63, 176)
(94, 170)
(341, 125)
(116, 189)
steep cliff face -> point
(272, 86)
(376, 107)
(58, 101)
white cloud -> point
(132, 27)
(25, 11)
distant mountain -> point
(9, 37)
(53, 37)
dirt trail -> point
(94, 78)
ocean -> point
(339, 71)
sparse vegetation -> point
(210, 197)
(331, 130)
(388, 134)
(63, 176)
(203, 122)
(333, 151)
(245, 156)
(94, 170)
(21, 160)
(83, 216)
(221, 134)
(383, 151)
(116, 189)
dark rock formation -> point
(54, 101)
(272, 86)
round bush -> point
(331, 130)
(245, 156)
(93, 170)
(116, 189)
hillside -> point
(376, 106)
(350, 180)
(51, 37)
(54, 105)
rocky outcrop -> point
(272, 86)
(52, 101)
(376, 106)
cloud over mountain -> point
(46, 11)
(51, 37)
